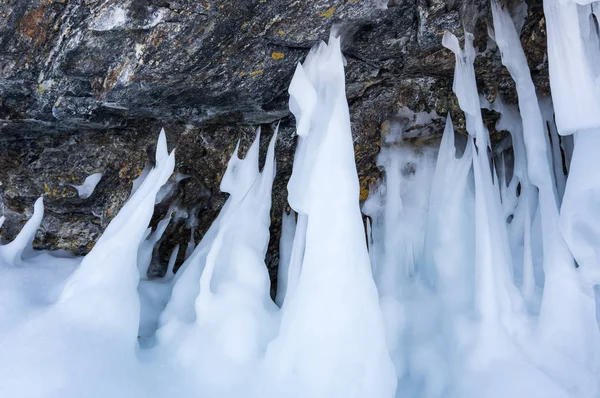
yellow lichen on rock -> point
(328, 13)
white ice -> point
(475, 274)
(331, 341)
(87, 188)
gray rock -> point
(85, 86)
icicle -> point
(574, 89)
(528, 286)
(580, 214)
(465, 86)
(554, 330)
(557, 143)
(144, 256)
(191, 246)
(171, 265)
(286, 242)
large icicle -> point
(234, 316)
(91, 282)
(574, 87)
(84, 344)
(566, 322)
(495, 358)
(494, 291)
(448, 265)
(519, 205)
(238, 179)
(332, 340)
(465, 85)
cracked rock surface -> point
(85, 86)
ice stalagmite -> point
(108, 266)
(446, 271)
(495, 356)
(414, 209)
(579, 214)
(238, 179)
(494, 292)
(233, 316)
(331, 341)
(449, 266)
(567, 314)
(481, 279)
(519, 201)
(85, 342)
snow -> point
(474, 275)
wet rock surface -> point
(85, 87)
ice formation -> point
(87, 188)
(331, 340)
(478, 275)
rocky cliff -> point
(85, 86)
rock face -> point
(85, 86)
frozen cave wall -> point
(86, 85)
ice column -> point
(332, 339)
(234, 316)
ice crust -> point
(474, 275)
